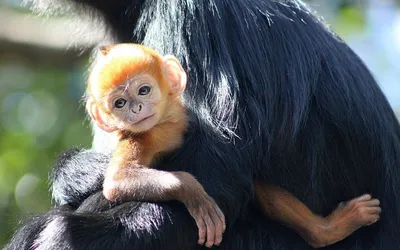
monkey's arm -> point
(144, 184)
(128, 178)
(318, 231)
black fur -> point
(274, 95)
(72, 185)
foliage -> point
(40, 116)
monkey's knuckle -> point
(351, 203)
(203, 212)
(210, 223)
(366, 217)
(201, 209)
(202, 230)
(223, 222)
(208, 205)
(361, 211)
(193, 212)
(198, 215)
(218, 227)
(209, 211)
(355, 205)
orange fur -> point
(144, 148)
(115, 68)
(129, 175)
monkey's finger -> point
(202, 230)
(372, 203)
(210, 230)
(364, 197)
(219, 213)
(221, 217)
(374, 210)
(219, 227)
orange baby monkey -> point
(136, 92)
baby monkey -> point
(137, 93)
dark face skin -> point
(137, 105)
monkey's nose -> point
(137, 109)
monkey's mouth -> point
(144, 119)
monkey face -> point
(131, 86)
(136, 106)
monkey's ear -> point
(98, 117)
(175, 74)
(105, 49)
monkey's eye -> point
(145, 90)
(120, 103)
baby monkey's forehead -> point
(139, 79)
(132, 82)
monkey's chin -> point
(145, 124)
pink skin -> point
(139, 113)
(145, 119)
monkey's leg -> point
(318, 231)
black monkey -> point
(273, 95)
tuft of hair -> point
(120, 63)
(62, 192)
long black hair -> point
(274, 95)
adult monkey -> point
(275, 96)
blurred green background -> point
(42, 79)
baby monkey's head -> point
(131, 88)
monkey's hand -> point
(353, 214)
(208, 216)
(209, 219)
(347, 218)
